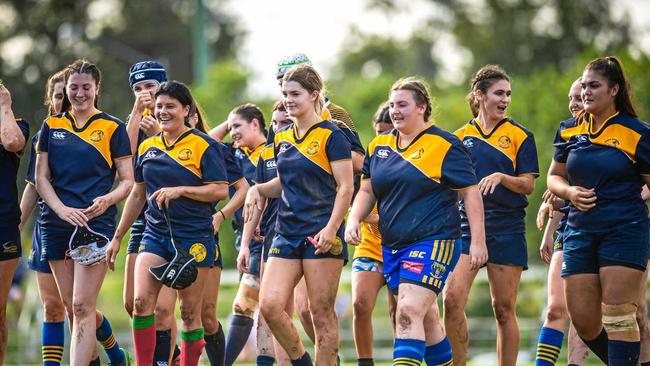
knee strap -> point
(244, 304)
(620, 322)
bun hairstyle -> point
(611, 69)
(420, 93)
(483, 80)
(310, 80)
(83, 66)
(57, 77)
(382, 115)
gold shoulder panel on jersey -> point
(382, 140)
(620, 137)
(427, 154)
(98, 134)
(267, 152)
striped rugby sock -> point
(106, 337)
(439, 354)
(549, 345)
(408, 352)
(52, 336)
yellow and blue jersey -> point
(508, 149)
(82, 161)
(611, 161)
(246, 159)
(194, 159)
(266, 171)
(415, 186)
(9, 162)
(305, 171)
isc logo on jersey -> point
(59, 135)
(383, 153)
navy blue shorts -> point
(55, 239)
(624, 245)
(10, 247)
(425, 263)
(301, 248)
(36, 261)
(505, 249)
(203, 249)
(137, 231)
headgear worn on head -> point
(290, 61)
(146, 70)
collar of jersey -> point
(250, 152)
(397, 135)
(171, 147)
(475, 123)
(73, 120)
(590, 118)
(295, 133)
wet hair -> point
(310, 80)
(611, 69)
(83, 66)
(250, 111)
(179, 91)
(57, 77)
(420, 92)
(279, 106)
(483, 80)
(382, 115)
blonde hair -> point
(420, 92)
(309, 79)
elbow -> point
(13, 145)
(220, 192)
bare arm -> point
(100, 204)
(234, 203)
(211, 192)
(582, 198)
(132, 208)
(523, 184)
(219, 133)
(343, 175)
(357, 162)
(11, 136)
(363, 204)
(27, 204)
(546, 247)
(474, 208)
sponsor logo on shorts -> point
(274, 251)
(185, 154)
(413, 266)
(469, 143)
(59, 135)
(198, 251)
(438, 270)
(417, 254)
(383, 153)
(337, 247)
(312, 148)
(504, 142)
(10, 247)
(96, 136)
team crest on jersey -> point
(612, 142)
(438, 270)
(469, 143)
(417, 155)
(59, 135)
(383, 153)
(198, 251)
(96, 136)
(312, 148)
(337, 247)
(504, 142)
(10, 247)
(185, 154)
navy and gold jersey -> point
(9, 161)
(247, 160)
(610, 160)
(233, 170)
(305, 171)
(508, 149)
(415, 186)
(82, 160)
(194, 159)
(266, 171)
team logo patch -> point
(139, 76)
(383, 153)
(337, 247)
(185, 154)
(96, 136)
(198, 251)
(10, 247)
(150, 154)
(59, 135)
(414, 267)
(504, 142)
(612, 142)
(417, 155)
(312, 148)
(581, 138)
(469, 143)
(437, 270)
(271, 164)
(283, 148)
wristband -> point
(222, 215)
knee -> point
(245, 306)
(142, 305)
(53, 311)
(503, 312)
(408, 314)
(556, 312)
(322, 314)
(81, 310)
(362, 308)
(620, 322)
(209, 317)
(163, 315)
(271, 310)
(452, 303)
(188, 312)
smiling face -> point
(280, 119)
(406, 114)
(147, 86)
(56, 98)
(575, 99)
(170, 113)
(82, 90)
(242, 132)
(495, 101)
(298, 101)
(597, 95)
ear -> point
(614, 90)
(314, 96)
(186, 111)
(256, 123)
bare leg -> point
(504, 283)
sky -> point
(283, 27)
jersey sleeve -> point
(31, 166)
(457, 169)
(561, 146)
(260, 177)
(44, 138)
(120, 145)
(365, 171)
(354, 140)
(527, 157)
(233, 170)
(337, 147)
(137, 171)
(642, 154)
(213, 165)
(24, 128)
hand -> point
(545, 209)
(143, 100)
(243, 259)
(353, 232)
(253, 201)
(164, 195)
(111, 253)
(5, 96)
(582, 198)
(217, 219)
(325, 239)
(546, 250)
(99, 206)
(149, 126)
(488, 184)
(477, 254)
(257, 235)
(73, 216)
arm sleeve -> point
(457, 169)
(120, 145)
(527, 157)
(213, 165)
(337, 147)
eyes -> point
(502, 93)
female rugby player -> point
(414, 174)
(80, 195)
(309, 228)
(601, 162)
(505, 159)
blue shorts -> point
(137, 231)
(365, 264)
(505, 249)
(268, 240)
(203, 249)
(586, 252)
(301, 248)
(10, 247)
(425, 263)
(36, 261)
(55, 239)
